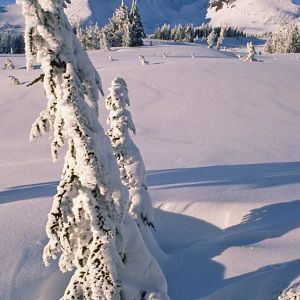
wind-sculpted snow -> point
(220, 141)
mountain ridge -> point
(255, 16)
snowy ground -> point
(221, 141)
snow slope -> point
(220, 139)
(254, 16)
(11, 17)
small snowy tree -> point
(211, 39)
(221, 38)
(9, 65)
(189, 33)
(104, 42)
(251, 53)
(89, 225)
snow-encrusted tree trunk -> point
(89, 225)
(130, 161)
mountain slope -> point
(252, 15)
(11, 17)
(256, 15)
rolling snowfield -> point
(221, 143)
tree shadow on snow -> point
(193, 273)
(30, 191)
(252, 175)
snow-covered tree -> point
(251, 53)
(104, 44)
(92, 33)
(286, 40)
(163, 32)
(137, 28)
(130, 161)
(89, 36)
(89, 226)
(221, 38)
(11, 42)
(211, 39)
(9, 65)
(189, 33)
(80, 32)
(128, 156)
(118, 29)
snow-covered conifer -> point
(137, 28)
(251, 53)
(287, 40)
(89, 225)
(127, 35)
(118, 24)
(211, 39)
(11, 42)
(92, 38)
(104, 42)
(89, 36)
(13, 80)
(130, 162)
(129, 159)
(221, 38)
(9, 65)
(189, 33)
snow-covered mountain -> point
(252, 15)
(256, 15)
(11, 17)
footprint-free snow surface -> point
(221, 142)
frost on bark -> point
(88, 227)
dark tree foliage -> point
(11, 42)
